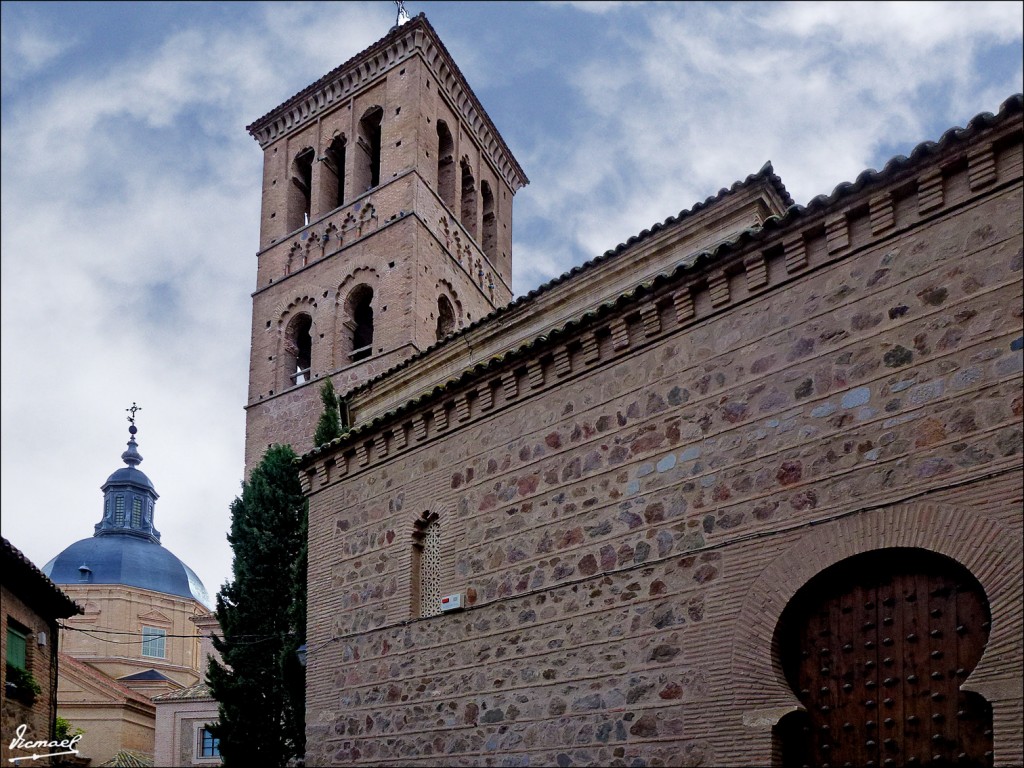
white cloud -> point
(27, 45)
(704, 94)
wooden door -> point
(876, 649)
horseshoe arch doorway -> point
(876, 648)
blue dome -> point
(128, 560)
(125, 547)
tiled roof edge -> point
(1011, 106)
(65, 659)
(51, 591)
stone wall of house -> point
(629, 504)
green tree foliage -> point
(329, 425)
(65, 730)
(260, 687)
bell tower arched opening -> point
(490, 222)
(468, 209)
(359, 322)
(366, 172)
(298, 349)
(445, 165)
(300, 189)
(333, 176)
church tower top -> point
(414, 37)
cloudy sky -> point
(130, 189)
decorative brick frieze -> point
(756, 267)
(620, 334)
(511, 385)
(563, 362)
(981, 167)
(795, 250)
(718, 287)
(591, 348)
(651, 319)
(440, 412)
(883, 216)
(485, 396)
(535, 372)
(363, 453)
(462, 411)
(401, 439)
(324, 472)
(929, 191)
(683, 302)
(380, 446)
(837, 233)
(419, 428)
(306, 479)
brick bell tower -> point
(386, 224)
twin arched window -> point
(357, 336)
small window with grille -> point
(119, 510)
(427, 565)
(136, 513)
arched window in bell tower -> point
(359, 320)
(333, 177)
(299, 189)
(445, 165)
(490, 221)
(468, 211)
(445, 317)
(298, 349)
(366, 173)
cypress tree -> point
(261, 720)
(329, 425)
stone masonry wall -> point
(613, 507)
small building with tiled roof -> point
(30, 607)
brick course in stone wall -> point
(630, 502)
